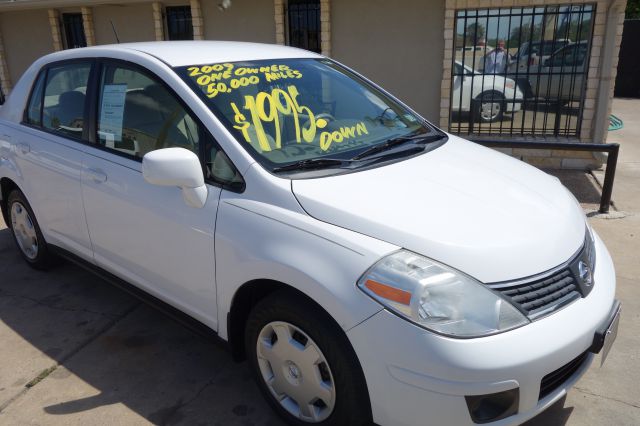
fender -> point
(259, 241)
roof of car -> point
(182, 53)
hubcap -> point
(24, 230)
(489, 110)
(296, 372)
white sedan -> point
(369, 266)
(488, 96)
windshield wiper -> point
(417, 139)
(311, 163)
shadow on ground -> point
(73, 345)
(556, 415)
(581, 184)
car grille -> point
(544, 294)
(555, 379)
(537, 298)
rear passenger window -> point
(64, 99)
(33, 115)
(138, 115)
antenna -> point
(115, 33)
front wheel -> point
(490, 107)
(304, 364)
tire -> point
(490, 108)
(307, 333)
(26, 232)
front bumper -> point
(416, 377)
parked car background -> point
(533, 53)
(561, 76)
(489, 95)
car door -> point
(555, 73)
(143, 233)
(457, 87)
(462, 81)
(48, 148)
(573, 69)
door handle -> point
(96, 175)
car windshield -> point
(289, 111)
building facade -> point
(428, 53)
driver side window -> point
(137, 114)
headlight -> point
(437, 297)
(591, 247)
(590, 239)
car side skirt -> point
(180, 317)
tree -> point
(523, 34)
(475, 33)
(633, 9)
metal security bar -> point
(520, 70)
(179, 24)
(73, 30)
(304, 24)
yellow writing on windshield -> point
(225, 78)
(266, 108)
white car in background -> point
(369, 266)
(488, 96)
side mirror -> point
(176, 167)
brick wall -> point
(87, 23)
(158, 21)
(196, 19)
(54, 23)
(5, 81)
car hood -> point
(498, 83)
(482, 212)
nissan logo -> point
(585, 273)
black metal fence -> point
(520, 71)
(179, 25)
(73, 29)
(304, 24)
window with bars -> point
(179, 24)
(73, 30)
(520, 71)
(303, 17)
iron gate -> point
(73, 30)
(304, 24)
(179, 23)
(520, 71)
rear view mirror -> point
(176, 167)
